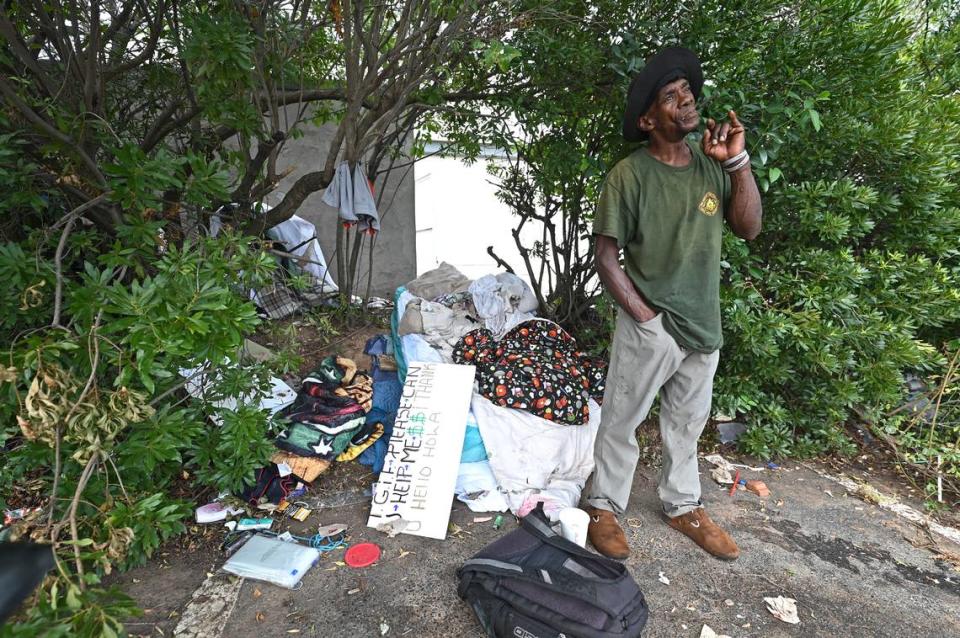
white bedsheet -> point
(531, 456)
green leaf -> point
(73, 597)
(815, 119)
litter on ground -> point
(784, 609)
(708, 632)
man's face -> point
(673, 113)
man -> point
(664, 206)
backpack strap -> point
(491, 566)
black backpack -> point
(533, 583)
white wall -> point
(458, 216)
(394, 261)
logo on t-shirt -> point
(709, 204)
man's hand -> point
(723, 141)
(640, 311)
(616, 281)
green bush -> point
(853, 126)
(98, 398)
(856, 277)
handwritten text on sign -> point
(420, 470)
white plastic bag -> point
(272, 560)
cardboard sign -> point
(415, 488)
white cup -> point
(573, 525)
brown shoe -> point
(605, 534)
(705, 533)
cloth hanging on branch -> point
(351, 193)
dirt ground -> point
(854, 569)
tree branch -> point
(301, 189)
(499, 261)
(71, 218)
(264, 149)
(18, 48)
(156, 30)
(52, 132)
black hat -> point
(661, 69)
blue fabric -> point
(376, 346)
(386, 401)
(395, 335)
(473, 448)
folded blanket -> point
(305, 440)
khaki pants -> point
(644, 360)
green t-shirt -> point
(668, 221)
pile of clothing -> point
(532, 383)
(441, 306)
(327, 422)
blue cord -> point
(322, 543)
(317, 541)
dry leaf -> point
(260, 616)
(394, 527)
(871, 495)
(721, 475)
(708, 632)
(257, 593)
(784, 609)
(8, 375)
(718, 461)
(403, 553)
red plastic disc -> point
(362, 555)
